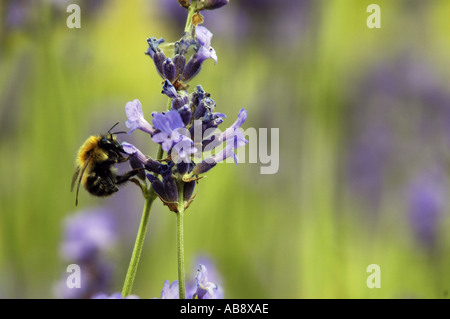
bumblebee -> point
(95, 165)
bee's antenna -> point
(109, 131)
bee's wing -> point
(77, 171)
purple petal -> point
(203, 36)
(160, 122)
(134, 110)
(175, 120)
(136, 118)
(167, 122)
(163, 139)
(169, 89)
(170, 291)
(205, 51)
(242, 117)
(129, 148)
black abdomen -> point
(101, 183)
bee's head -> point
(110, 141)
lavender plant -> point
(189, 142)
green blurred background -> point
(363, 115)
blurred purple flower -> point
(95, 276)
(426, 205)
(17, 13)
(116, 295)
(87, 234)
(394, 97)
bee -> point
(95, 165)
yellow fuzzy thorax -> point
(91, 148)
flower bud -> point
(191, 69)
(135, 163)
(179, 61)
(182, 167)
(203, 167)
(200, 110)
(188, 190)
(158, 59)
(212, 4)
(184, 3)
(178, 103)
(153, 44)
(170, 187)
(152, 165)
(169, 90)
(169, 69)
(186, 114)
(158, 186)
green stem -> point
(180, 255)
(189, 25)
(180, 242)
(136, 255)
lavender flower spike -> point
(136, 118)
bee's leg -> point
(120, 179)
(122, 159)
